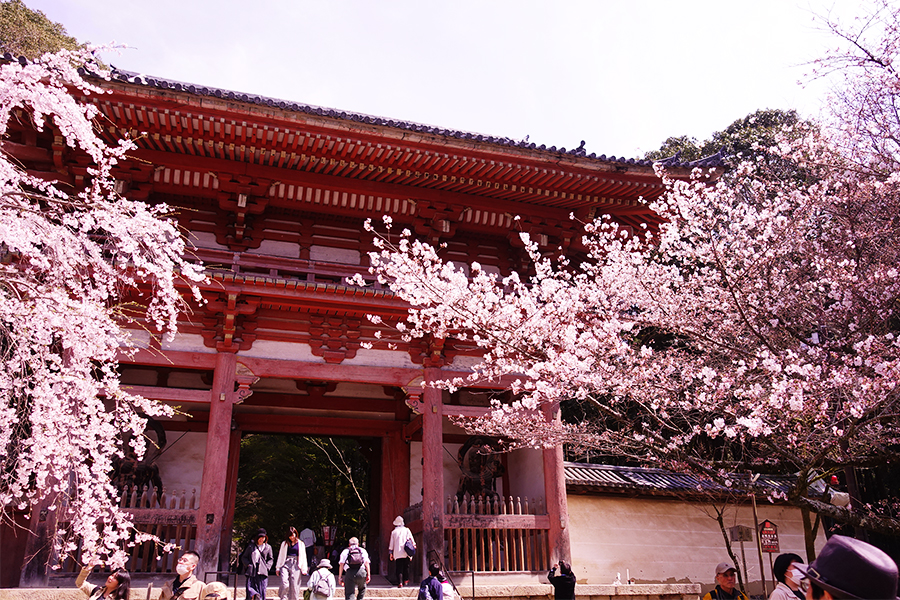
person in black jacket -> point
(564, 583)
(258, 560)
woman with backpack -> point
(321, 582)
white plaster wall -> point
(451, 471)
(382, 358)
(187, 342)
(668, 541)
(277, 248)
(205, 239)
(344, 256)
(181, 464)
(281, 350)
(415, 472)
(526, 474)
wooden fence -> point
(170, 517)
(496, 534)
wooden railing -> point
(170, 517)
(496, 534)
(310, 271)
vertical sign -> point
(768, 536)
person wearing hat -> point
(321, 583)
(397, 548)
(354, 570)
(788, 576)
(726, 578)
(850, 568)
(216, 590)
(257, 560)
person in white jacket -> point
(291, 565)
(788, 576)
(399, 537)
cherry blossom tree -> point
(754, 331)
(68, 258)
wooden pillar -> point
(215, 463)
(234, 452)
(394, 489)
(555, 490)
(432, 468)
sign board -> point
(768, 536)
(741, 533)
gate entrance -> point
(303, 481)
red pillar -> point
(555, 489)
(215, 463)
(432, 468)
(394, 489)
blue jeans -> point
(257, 584)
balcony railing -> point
(490, 533)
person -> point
(354, 570)
(308, 537)
(447, 588)
(116, 587)
(431, 587)
(321, 582)
(397, 549)
(564, 583)
(185, 586)
(726, 578)
(850, 568)
(291, 565)
(215, 590)
(257, 561)
(788, 578)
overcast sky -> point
(623, 75)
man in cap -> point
(726, 578)
(354, 571)
(850, 568)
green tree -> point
(29, 33)
(286, 480)
(749, 137)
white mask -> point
(182, 569)
(794, 575)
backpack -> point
(322, 587)
(355, 556)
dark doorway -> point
(296, 480)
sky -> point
(622, 75)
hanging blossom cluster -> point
(67, 261)
(756, 329)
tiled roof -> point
(642, 480)
(179, 86)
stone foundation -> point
(482, 592)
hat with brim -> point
(398, 522)
(850, 568)
(324, 563)
(724, 567)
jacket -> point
(257, 560)
(301, 558)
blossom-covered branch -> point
(67, 257)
